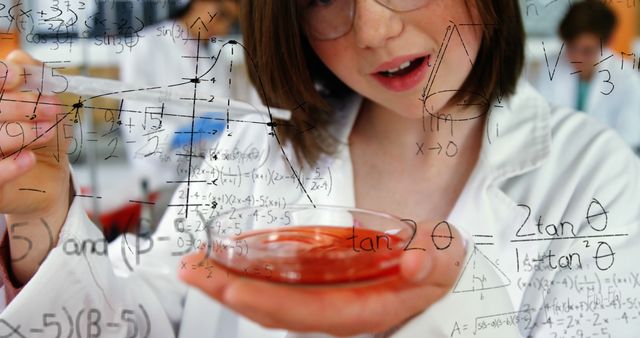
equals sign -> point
(483, 236)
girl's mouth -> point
(404, 68)
(405, 75)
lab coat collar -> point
(517, 136)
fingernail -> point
(25, 160)
(424, 270)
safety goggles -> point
(331, 19)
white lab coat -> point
(554, 162)
(613, 91)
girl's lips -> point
(404, 82)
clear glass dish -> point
(302, 244)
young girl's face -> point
(437, 43)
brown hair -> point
(590, 16)
(288, 74)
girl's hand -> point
(425, 277)
(34, 168)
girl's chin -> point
(402, 109)
(418, 115)
(409, 106)
(414, 111)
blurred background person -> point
(589, 76)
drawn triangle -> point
(474, 276)
(436, 87)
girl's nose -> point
(374, 24)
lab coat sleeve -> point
(128, 288)
(597, 300)
(602, 169)
(598, 295)
(88, 289)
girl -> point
(417, 111)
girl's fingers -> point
(416, 265)
(9, 75)
(20, 56)
(340, 310)
(203, 273)
(15, 166)
(437, 255)
(10, 69)
(29, 107)
(17, 135)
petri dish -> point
(302, 244)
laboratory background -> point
(127, 165)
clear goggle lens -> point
(331, 19)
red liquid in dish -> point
(315, 254)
